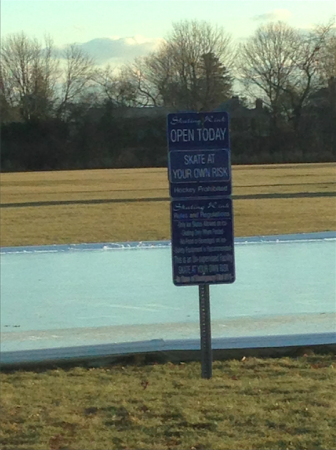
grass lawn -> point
(141, 220)
(250, 404)
(269, 404)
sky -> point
(120, 30)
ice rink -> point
(63, 302)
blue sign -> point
(201, 210)
(202, 241)
(199, 154)
(196, 165)
(202, 189)
(198, 131)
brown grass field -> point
(252, 403)
(136, 219)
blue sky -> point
(124, 29)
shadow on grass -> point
(165, 199)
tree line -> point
(59, 110)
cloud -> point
(78, 28)
(118, 49)
(275, 14)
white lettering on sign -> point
(184, 190)
(182, 174)
(203, 134)
(212, 119)
(211, 134)
(176, 120)
(219, 172)
(199, 158)
(182, 135)
(212, 188)
(202, 173)
(208, 118)
(194, 159)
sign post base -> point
(205, 330)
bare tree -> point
(306, 78)
(190, 70)
(281, 63)
(140, 74)
(117, 86)
(327, 56)
(78, 75)
(29, 73)
(265, 63)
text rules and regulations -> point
(202, 241)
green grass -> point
(249, 404)
(269, 404)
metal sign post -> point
(199, 171)
(205, 328)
